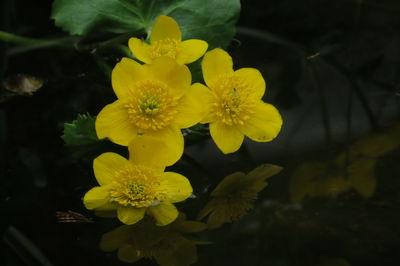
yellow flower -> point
(138, 186)
(165, 244)
(153, 100)
(234, 101)
(235, 195)
(166, 40)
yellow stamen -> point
(151, 107)
(137, 186)
(166, 47)
(233, 102)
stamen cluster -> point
(151, 107)
(137, 186)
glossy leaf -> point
(212, 22)
(80, 132)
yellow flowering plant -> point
(166, 40)
(154, 100)
(234, 103)
(138, 186)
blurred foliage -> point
(213, 22)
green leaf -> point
(81, 131)
(212, 21)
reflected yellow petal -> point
(130, 215)
(178, 187)
(264, 125)
(253, 80)
(124, 76)
(113, 122)
(215, 63)
(128, 254)
(256, 178)
(140, 50)
(164, 213)
(227, 138)
(361, 174)
(191, 227)
(106, 165)
(230, 184)
(191, 50)
(165, 27)
(115, 239)
(96, 197)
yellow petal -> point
(227, 138)
(167, 70)
(178, 187)
(165, 27)
(215, 63)
(113, 122)
(106, 165)
(194, 106)
(125, 75)
(128, 253)
(191, 50)
(140, 50)
(151, 151)
(164, 213)
(96, 197)
(172, 150)
(264, 125)
(130, 215)
(253, 80)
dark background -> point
(332, 69)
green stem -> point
(29, 44)
(270, 37)
(71, 42)
(324, 108)
(9, 37)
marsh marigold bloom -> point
(235, 195)
(154, 100)
(166, 40)
(138, 186)
(234, 102)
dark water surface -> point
(333, 70)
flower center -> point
(233, 102)
(151, 107)
(137, 186)
(165, 47)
